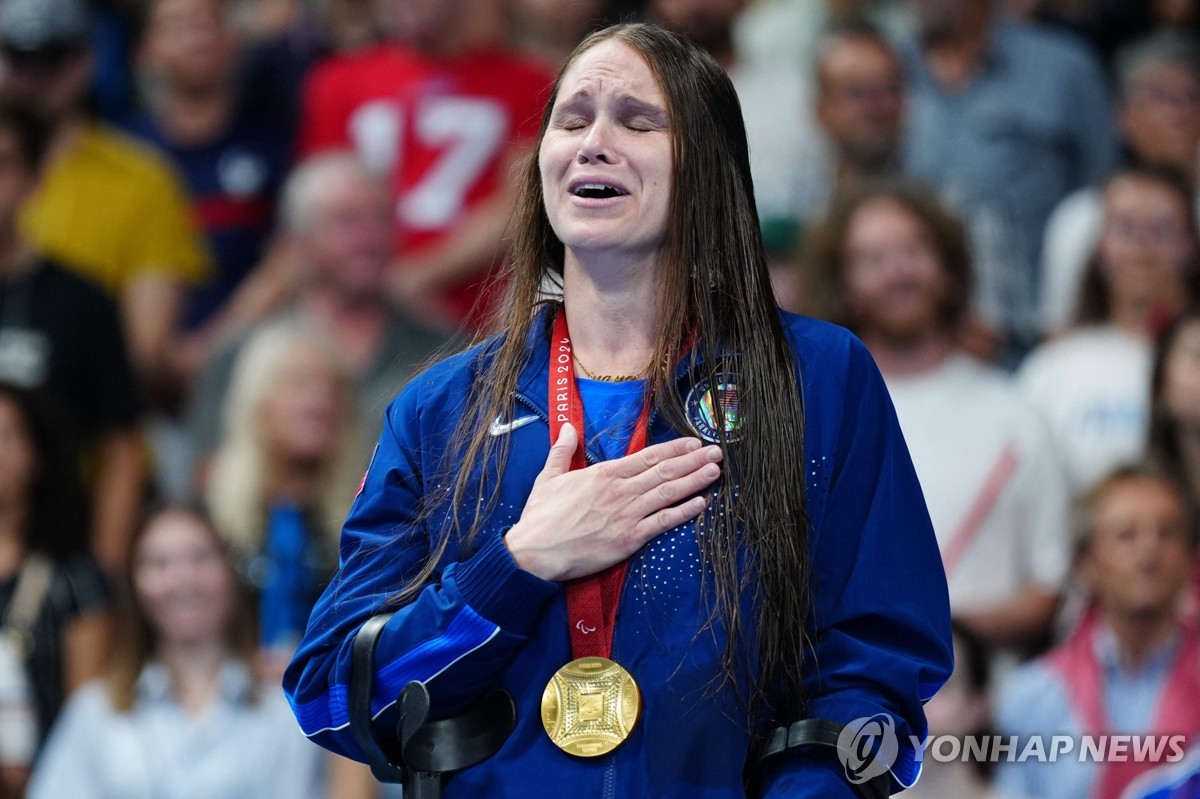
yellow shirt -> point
(110, 209)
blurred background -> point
(231, 230)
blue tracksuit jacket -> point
(880, 621)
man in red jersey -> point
(445, 109)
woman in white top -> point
(1093, 383)
(180, 715)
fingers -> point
(559, 460)
(635, 464)
(674, 468)
(658, 523)
(668, 493)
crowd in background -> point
(230, 230)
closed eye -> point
(643, 124)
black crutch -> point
(423, 751)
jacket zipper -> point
(588, 455)
(610, 770)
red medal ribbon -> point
(591, 601)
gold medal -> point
(590, 706)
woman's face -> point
(1181, 377)
(1145, 247)
(895, 282)
(183, 580)
(605, 158)
(302, 412)
(17, 456)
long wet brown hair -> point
(713, 283)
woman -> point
(53, 597)
(180, 713)
(1092, 384)
(639, 205)
(1174, 442)
(282, 476)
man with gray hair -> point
(337, 224)
(1158, 117)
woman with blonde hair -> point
(284, 472)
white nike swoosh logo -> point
(499, 428)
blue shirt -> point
(610, 411)
(1034, 124)
(1035, 702)
(232, 182)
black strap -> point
(820, 732)
(362, 685)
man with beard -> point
(893, 266)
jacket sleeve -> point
(880, 622)
(457, 635)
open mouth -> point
(598, 191)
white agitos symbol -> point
(583, 628)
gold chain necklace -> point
(612, 378)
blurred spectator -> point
(1006, 118)
(549, 29)
(60, 334)
(337, 227)
(776, 102)
(893, 266)
(1133, 666)
(284, 474)
(787, 33)
(53, 597)
(1174, 441)
(1158, 113)
(283, 39)
(444, 110)
(180, 714)
(114, 88)
(1111, 24)
(961, 708)
(18, 723)
(232, 158)
(1092, 385)
(343, 25)
(106, 206)
(860, 107)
